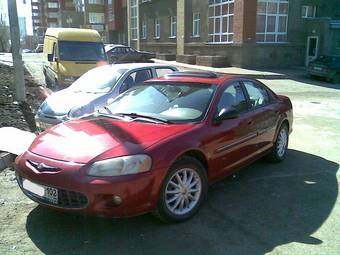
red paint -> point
(74, 145)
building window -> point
(144, 28)
(133, 19)
(34, 7)
(272, 21)
(52, 5)
(173, 26)
(308, 11)
(221, 15)
(96, 18)
(157, 29)
(196, 24)
(52, 25)
(96, 1)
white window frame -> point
(144, 30)
(96, 18)
(305, 14)
(196, 24)
(101, 2)
(228, 16)
(52, 5)
(157, 32)
(173, 26)
(133, 19)
(277, 16)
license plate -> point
(51, 194)
(317, 68)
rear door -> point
(264, 114)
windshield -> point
(81, 51)
(175, 102)
(98, 80)
(327, 59)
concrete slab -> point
(14, 140)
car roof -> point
(218, 80)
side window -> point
(233, 96)
(257, 94)
(163, 71)
(135, 79)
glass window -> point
(144, 31)
(135, 79)
(98, 80)
(52, 5)
(81, 51)
(96, 17)
(258, 95)
(196, 24)
(272, 20)
(96, 1)
(133, 19)
(176, 102)
(308, 11)
(163, 71)
(157, 28)
(221, 15)
(173, 26)
(233, 96)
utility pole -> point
(19, 82)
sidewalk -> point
(256, 74)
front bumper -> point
(87, 194)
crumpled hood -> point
(61, 102)
(84, 139)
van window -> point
(81, 51)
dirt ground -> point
(287, 208)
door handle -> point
(250, 122)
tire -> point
(47, 82)
(279, 150)
(336, 78)
(168, 206)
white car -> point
(93, 89)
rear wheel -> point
(183, 191)
(279, 150)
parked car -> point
(39, 48)
(119, 53)
(327, 67)
(156, 147)
(93, 89)
(69, 53)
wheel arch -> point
(198, 155)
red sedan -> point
(156, 147)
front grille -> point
(41, 167)
(66, 199)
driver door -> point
(232, 141)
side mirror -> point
(50, 57)
(225, 114)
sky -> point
(24, 10)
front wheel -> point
(183, 191)
(279, 150)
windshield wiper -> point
(142, 116)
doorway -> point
(312, 48)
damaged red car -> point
(156, 147)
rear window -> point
(327, 59)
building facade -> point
(248, 33)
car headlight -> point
(121, 166)
(75, 112)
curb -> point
(6, 160)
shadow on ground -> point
(265, 206)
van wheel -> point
(47, 82)
(55, 86)
(183, 191)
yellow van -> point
(70, 52)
